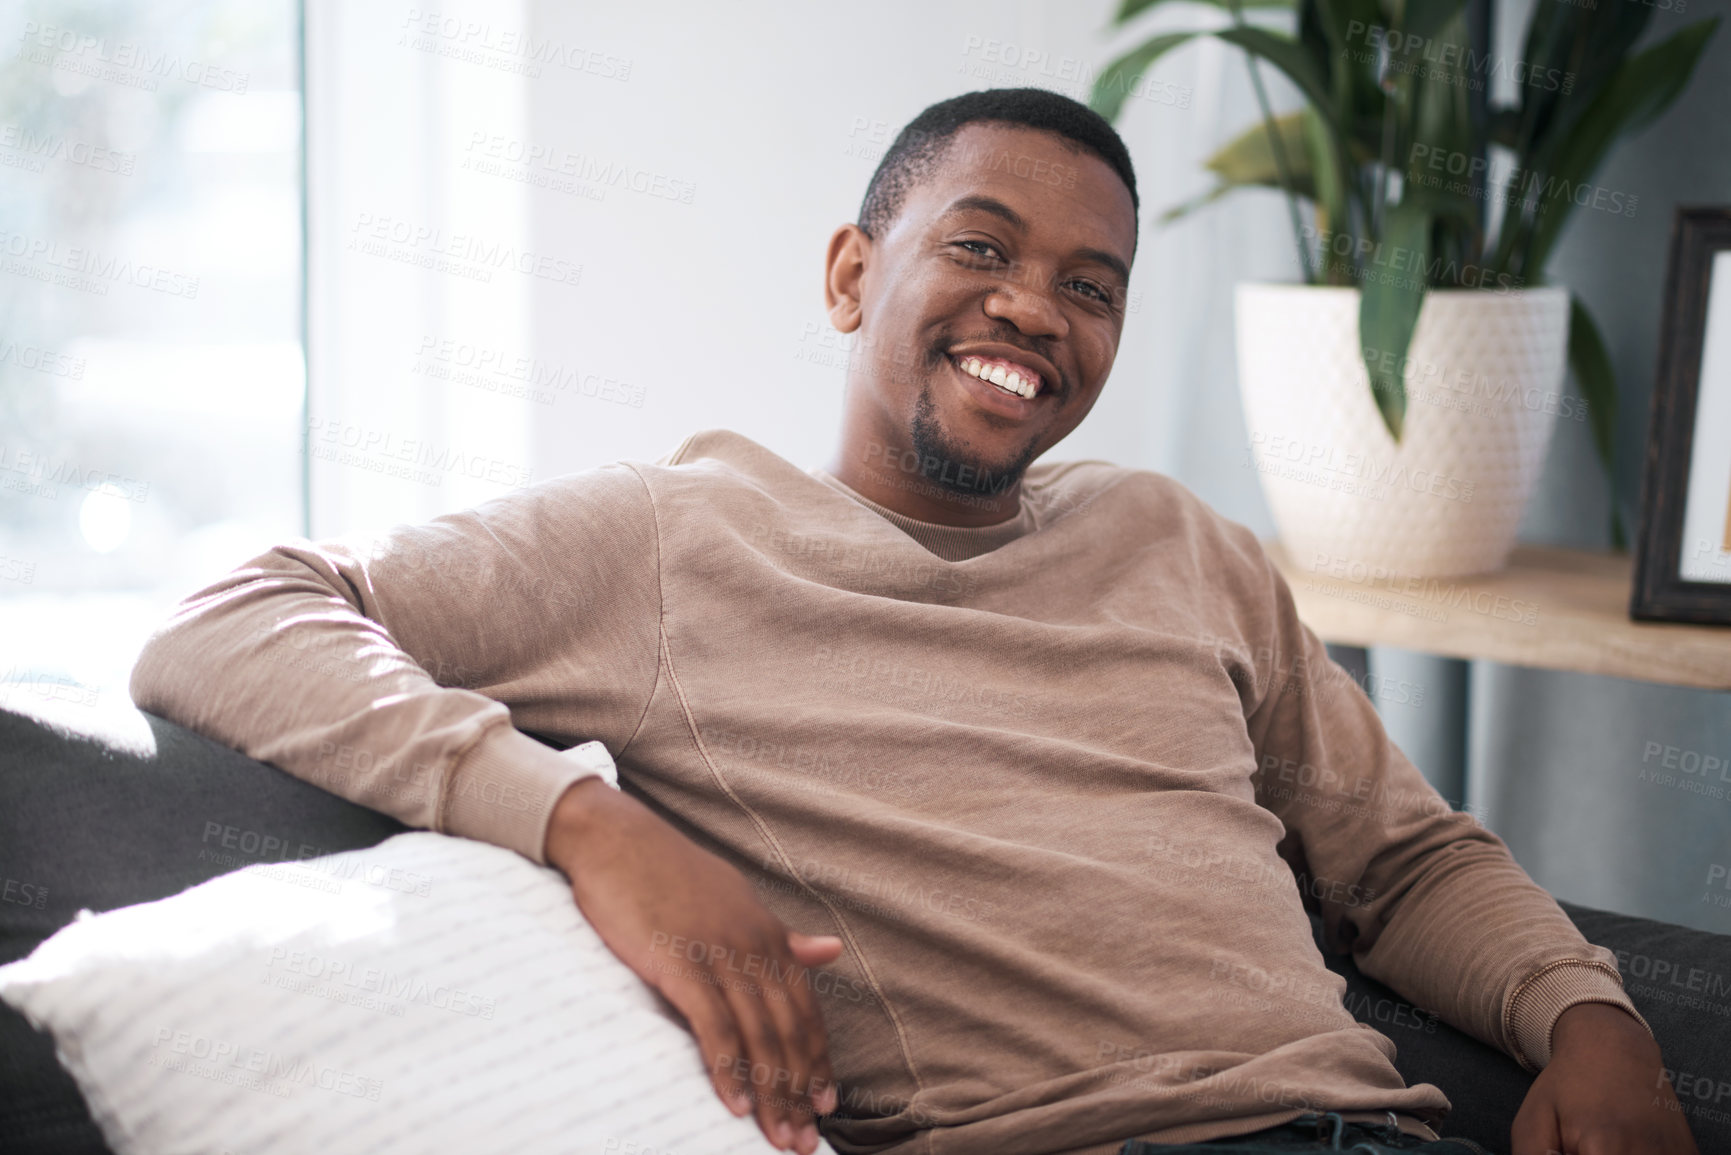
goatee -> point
(959, 469)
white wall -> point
(778, 114)
(721, 145)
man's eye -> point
(976, 247)
(1098, 293)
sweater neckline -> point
(952, 543)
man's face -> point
(1011, 257)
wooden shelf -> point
(1557, 609)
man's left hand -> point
(1604, 1092)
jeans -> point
(1328, 1132)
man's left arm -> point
(1433, 905)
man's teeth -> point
(1006, 379)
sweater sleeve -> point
(1428, 900)
(394, 669)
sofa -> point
(106, 807)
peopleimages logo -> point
(31, 151)
(497, 150)
(506, 49)
(1376, 474)
(1014, 62)
(87, 270)
(126, 63)
(516, 374)
(1688, 770)
(1464, 174)
(24, 894)
(40, 360)
(1382, 263)
(186, 1052)
(764, 968)
(343, 975)
(1440, 591)
(1450, 62)
(413, 459)
(41, 475)
(462, 254)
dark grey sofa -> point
(102, 811)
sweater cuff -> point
(1539, 1002)
(504, 789)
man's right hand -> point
(641, 884)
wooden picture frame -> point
(1683, 551)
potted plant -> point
(1401, 400)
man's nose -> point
(1027, 300)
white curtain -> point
(412, 262)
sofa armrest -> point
(101, 809)
(1678, 978)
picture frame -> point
(1683, 551)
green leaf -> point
(1292, 59)
(1425, 18)
(1454, 211)
(1113, 86)
(1337, 32)
(1572, 51)
(1438, 86)
(1319, 34)
(1333, 188)
(1248, 158)
(1505, 127)
(1247, 161)
(1194, 203)
(1285, 53)
(1442, 120)
(1595, 377)
(1289, 57)
(1334, 33)
(1130, 9)
(1569, 52)
(1391, 295)
(1644, 86)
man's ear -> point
(844, 270)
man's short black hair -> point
(923, 142)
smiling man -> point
(987, 277)
(1010, 782)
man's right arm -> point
(389, 668)
(393, 669)
(640, 882)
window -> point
(152, 373)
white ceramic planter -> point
(1484, 380)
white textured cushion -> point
(428, 994)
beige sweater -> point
(1063, 785)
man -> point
(1038, 757)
